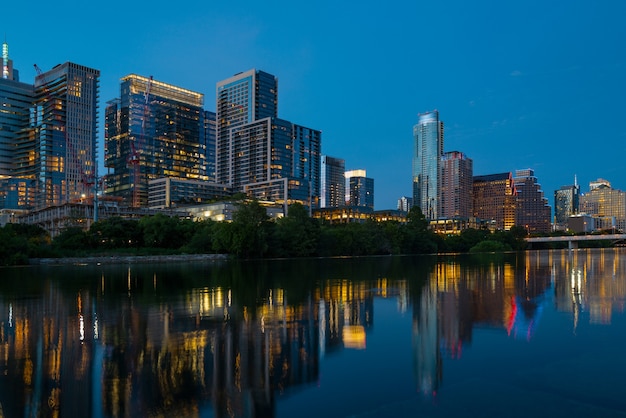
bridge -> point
(573, 240)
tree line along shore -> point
(251, 234)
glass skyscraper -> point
(243, 98)
(154, 130)
(333, 182)
(360, 189)
(17, 171)
(259, 154)
(566, 202)
(428, 150)
(603, 201)
(48, 153)
(65, 126)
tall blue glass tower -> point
(256, 152)
(427, 153)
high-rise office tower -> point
(17, 184)
(243, 98)
(566, 203)
(64, 140)
(456, 185)
(494, 200)
(258, 153)
(603, 201)
(210, 133)
(359, 189)
(428, 150)
(333, 182)
(153, 130)
(533, 211)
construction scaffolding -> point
(54, 219)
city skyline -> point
(516, 89)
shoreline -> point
(130, 259)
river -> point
(539, 333)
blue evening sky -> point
(533, 84)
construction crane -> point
(134, 159)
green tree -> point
(201, 241)
(162, 231)
(72, 238)
(419, 239)
(19, 242)
(249, 230)
(297, 234)
(490, 246)
(115, 232)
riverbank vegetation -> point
(251, 234)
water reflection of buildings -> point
(588, 283)
(123, 347)
(119, 352)
(459, 297)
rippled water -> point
(534, 334)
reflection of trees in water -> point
(235, 336)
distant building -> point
(456, 186)
(359, 189)
(405, 203)
(533, 211)
(566, 203)
(154, 130)
(427, 153)
(171, 192)
(494, 200)
(333, 182)
(259, 154)
(358, 214)
(223, 211)
(602, 201)
(17, 142)
(581, 223)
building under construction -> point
(154, 130)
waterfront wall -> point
(129, 259)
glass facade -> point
(307, 150)
(333, 182)
(603, 201)
(360, 189)
(246, 97)
(566, 202)
(154, 130)
(427, 153)
(258, 153)
(16, 100)
(63, 131)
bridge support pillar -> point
(572, 245)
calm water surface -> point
(534, 334)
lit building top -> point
(355, 173)
(139, 85)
